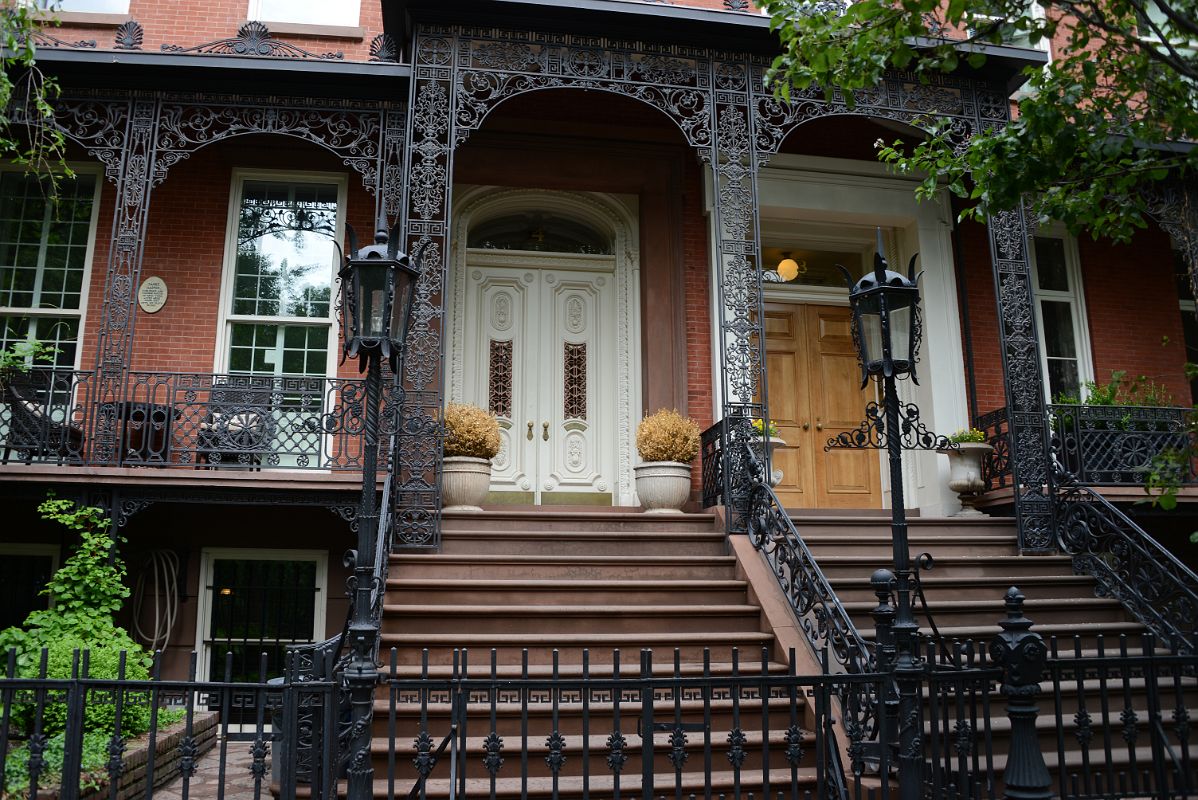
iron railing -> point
(188, 421)
(1096, 445)
(1129, 565)
(447, 724)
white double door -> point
(539, 352)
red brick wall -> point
(185, 246)
(190, 24)
(698, 306)
(1131, 305)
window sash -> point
(1064, 371)
(307, 12)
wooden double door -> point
(815, 393)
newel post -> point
(1022, 654)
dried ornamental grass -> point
(470, 431)
(667, 436)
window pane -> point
(59, 332)
(1052, 274)
(1058, 329)
(22, 577)
(1062, 378)
(103, 6)
(309, 12)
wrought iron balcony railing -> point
(1095, 445)
(187, 421)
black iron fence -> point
(188, 421)
(1096, 445)
(1074, 718)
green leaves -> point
(1087, 137)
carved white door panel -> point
(539, 352)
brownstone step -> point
(554, 567)
(838, 544)
(631, 543)
(575, 521)
(956, 613)
(565, 592)
(986, 588)
(850, 568)
(545, 620)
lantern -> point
(886, 328)
(379, 285)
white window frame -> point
(89, 254)
(255, 12)
(226, 319)
(44, 5)
(1076, 297)
(209, 555)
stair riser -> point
(599, 523)
(839, 572)
(986, 592)
(645, 544)
(941, 548)
(716, 569)
(654, 593)
(597, 762)
(990, 616)
(572, 654)
(931, 528)
(549, 624)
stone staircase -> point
(553, 595)
(975, 561)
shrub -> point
(470, 431)
(86, 590)
(92, 773)
(667, 436)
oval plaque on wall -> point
(152, 294)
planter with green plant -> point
(764, 442)
(965, 462)
(667, 442)
(471, 441)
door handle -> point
(806, 426)
(545, 431)
(819, 426)
(530, 430)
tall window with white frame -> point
(1060, 316)
(45, 244)
(343, 13)
(280, 313)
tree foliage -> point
(1097, 126)
(28, 136)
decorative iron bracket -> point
(871, 434)
(252, 39)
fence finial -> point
(1022, 654)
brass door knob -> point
(806, 426)
(819, 426)
(545, 431)
(530, 430)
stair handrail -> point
(1128, 563)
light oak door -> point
(814, 385)
(540, 355)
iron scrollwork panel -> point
(1028, 429)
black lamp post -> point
(886, 331)
(378, 284)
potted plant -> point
(765, 440)
(667, 443)
(471, 441)
(965, 467)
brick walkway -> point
(238, 780)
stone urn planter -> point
(765, 449)
(465, 482)
(965, 474)
(471, 441)
(662, 486)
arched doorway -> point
(544, 332)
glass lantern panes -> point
(281, 306)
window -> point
(306, 12)
(1189, 322)
(1060, 316)
(255, 602)
(100, 6)
(45, 250)
(24, 571)
(280, 280)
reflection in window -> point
(43, 260)
(539, 232)
(1059, 315)
(281, 305)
